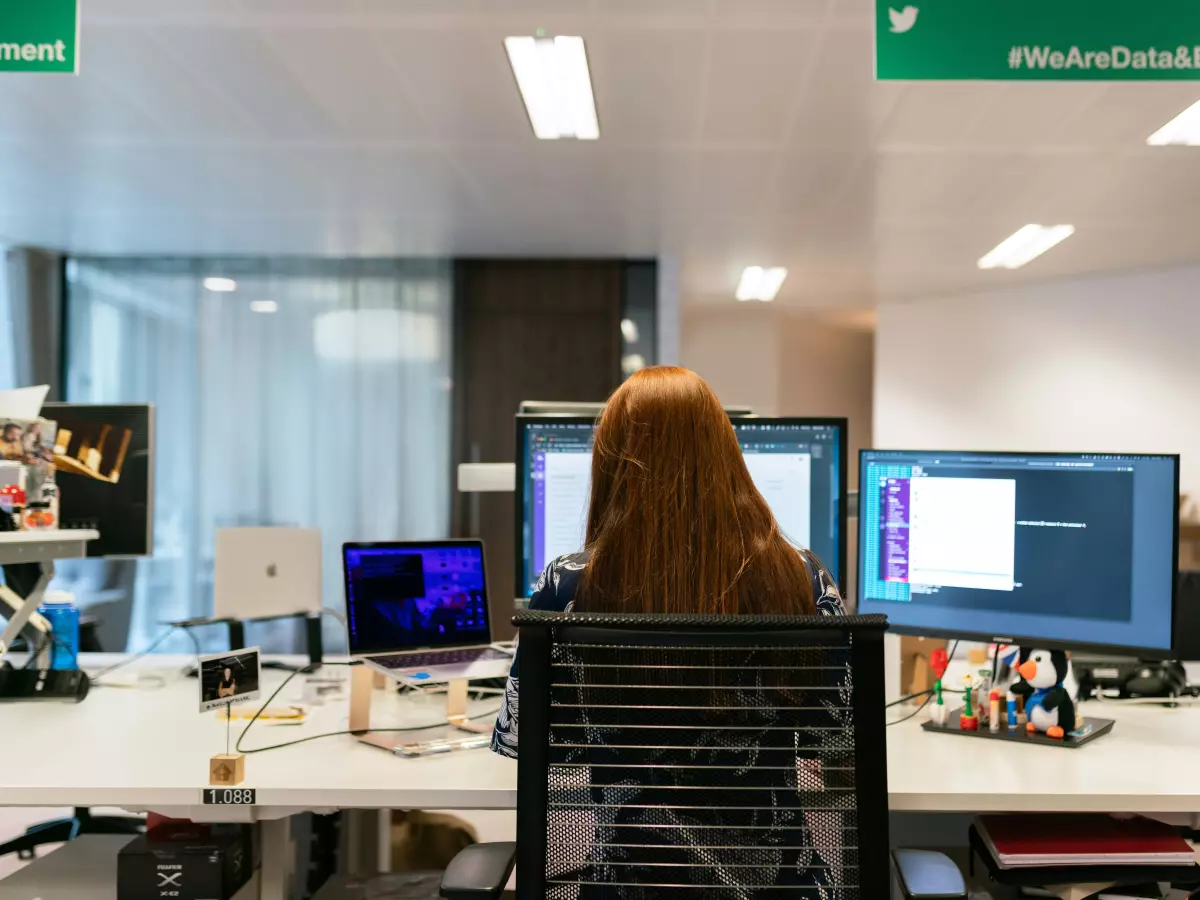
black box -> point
(210, 869)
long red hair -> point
(676, 524)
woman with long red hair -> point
(675, 523)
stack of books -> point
(1085, 839)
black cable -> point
(316, 737)
(905, 699)
(925, 703)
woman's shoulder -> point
(826, 597)
(556, 587)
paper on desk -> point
(23, 403)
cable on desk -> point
(316, 737)
(925, 703)
(154, 645)
(44, 640)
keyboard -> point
(431, 658)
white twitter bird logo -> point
(903, 20)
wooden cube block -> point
(226, 769)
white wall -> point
(788, 364)
(737, 352)
(1089, 364)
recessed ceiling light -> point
(264, 306)
(629, 331)
(552, 74)
(1027, 244)
(760, 284)
(1184, 129)
(220, 285)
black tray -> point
(1177, 876)
(1097, 728)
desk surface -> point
(149, 749)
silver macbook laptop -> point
(266, 572)
(418, 610)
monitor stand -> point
(363, 684)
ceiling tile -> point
(752, 83)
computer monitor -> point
(405, 595)
(799, 466)
(1061, 550)
(104, 455)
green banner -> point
(39, 36)
(1037, 40)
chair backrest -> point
(701, 757)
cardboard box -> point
(915, 673)
(210, 869)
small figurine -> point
(938, 662)
(968, 721)
(1048, 705)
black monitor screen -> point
(799, 466)
(403, 596)
(104, 457)
(1062, 549)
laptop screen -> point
(404, 596)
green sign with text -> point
(39, 36)
(1032, 40)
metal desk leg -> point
(366, 847)
(278, 860)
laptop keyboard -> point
(439, 658)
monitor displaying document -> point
(799, 466)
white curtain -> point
(316, 394)
(8, 352)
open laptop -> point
(418, 610)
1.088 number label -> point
(228, 796)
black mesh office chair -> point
(700, 757)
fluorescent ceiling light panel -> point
(1182, 130)
(220, 285)
(552, 74)
(1026, 245)
(264, 306)
(761, 284)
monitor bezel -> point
(1029, 640)
(524, 419)
(416, 545)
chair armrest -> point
(480, 872)
(926, 875)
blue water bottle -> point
(59, 609)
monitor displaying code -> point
(797, 465)
(1067, 548)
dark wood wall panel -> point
(524, 330)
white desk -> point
(149, 750)
(1149, 762)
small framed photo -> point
(226, 678)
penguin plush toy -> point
(1048, 705)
